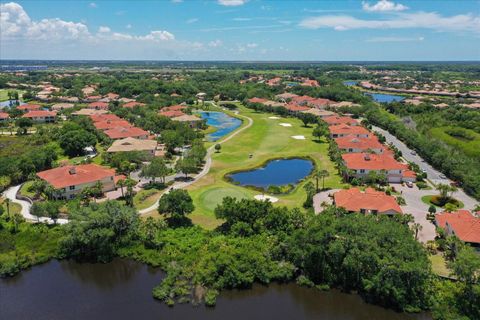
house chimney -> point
(367, 157)
(72, 170)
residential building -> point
(461, 223)
(4, 117)
(257, 100)
(62, 106)
(285, 96)
(29, 107)
(319, 113)
(171, 113)
(368, 202)
(98, 105)
(338, 120)
(132, 144)
(110, 124)
(363, 163)
(294, 108)
(121, 133)
(133, 104)
(41, 116)
(192, 120)
(351, 144)
(104, 117)
(89, 112)
(347, 130)
(68, 181)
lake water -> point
(122, 289)
(222, 121)
(6, 103)
(385, 98)
(276, 172)
(350, 83)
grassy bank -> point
(265, 139)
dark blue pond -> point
(350, 83)
(385, 98)
(223, 122)
(275, 173)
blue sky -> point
(241, 30)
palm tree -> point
(443, 189)
(121, 184)
(417, 227)
(322, 174)
(7, 203)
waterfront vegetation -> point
(264, 140)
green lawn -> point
(24, 190)
(4, 93)
(14, 207)
(439, 266)
(145, 198)
(426, 200)
(265, 140)
(465, 140)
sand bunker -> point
(274, 118)
(285, 124)
(263, 197)
(299, 137)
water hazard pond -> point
(122, 290)
(278, 172)
(222, 122)
(385, 98)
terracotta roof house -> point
(93, 98)
(41, 116)
(343, 104)
(174, 108)
(302, 100)
(62, 106)
(343, 130)
(310, 83)
(369, 202)
(257, 100)
(98, 105)
(110, 124)
(351, 144)
(89, 112)
(112, 96)
(285, 96)
(319, 113)
(132, 144)
(68, 181)
(105, 117)
(273, 104)
(320, 103)
(274, 81)
(362, 163)
(461, 223)
(121, 133)
(292, 107)
(4, 116)
(126, 100)
(337, 120)
(29, 107)
(171, 113)
(133, 104)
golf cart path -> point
(206, 168)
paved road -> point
(432, 174)
(11, 193)
(206, 168)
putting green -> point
(264, 140)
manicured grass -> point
(145, 198)
(265, 140)
(14, 207)
(427, 200)
(4, 93)
(439, 266)
(24, 190)
(463, 139)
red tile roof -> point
(94, 97)
(302, 99)
(133, 104)
(357, 161)
(336, 120)
(310, 83)
(109, 124)
(29, 107)
(355, 200)
(120, 133)
(39, 113)
(257, 100)
(112, 96)
(4, 115)
(345, 129)
(319, 102)
(105, 117)
(273, 82)
(98, 105)
(174, 108)
(352, 142)
(63, 177)
(171, 113)
(295, 107)
(465, 226)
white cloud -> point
(383, 6)
(252, 45)
(231, 3)
(128, 26)
(193, 20)
(215, 43)
(104, 29)
(424, 20)
(92, 5)
(395, 39)
(242, 19)
(158, 35)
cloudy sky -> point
(241, 30)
